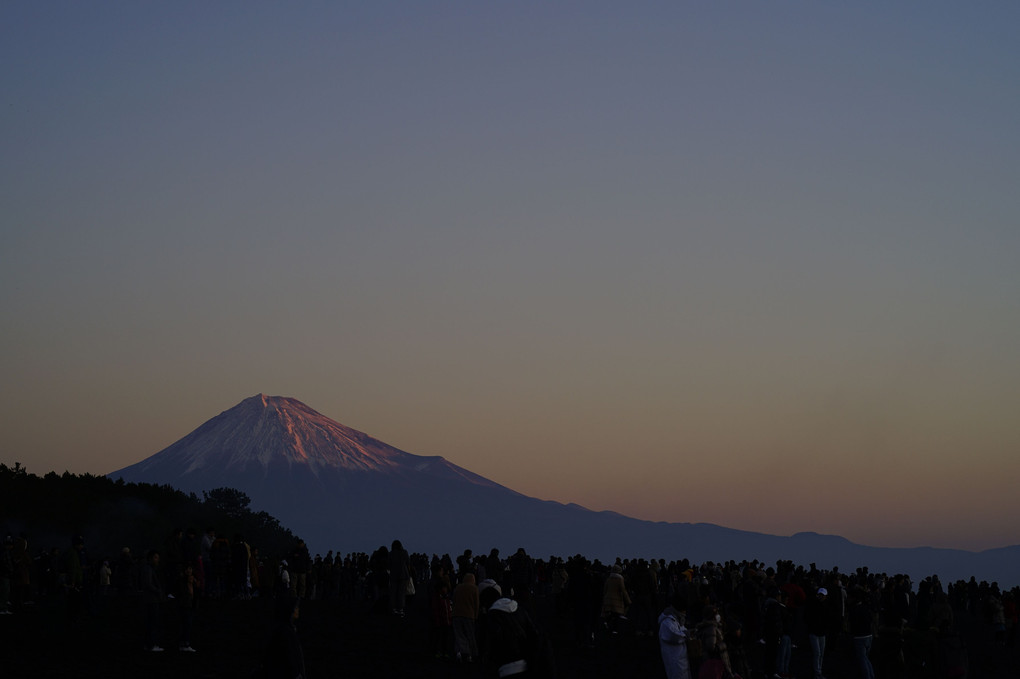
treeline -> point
(111, 515)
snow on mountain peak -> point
(263, 432)
(267, 428)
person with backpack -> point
(713, 643)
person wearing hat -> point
(816, 622)
(283, 578)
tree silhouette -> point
(112, 515)
(229, 501)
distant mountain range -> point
(343, 490)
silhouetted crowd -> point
(709, 621)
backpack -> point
(707, 634)
(694, 650)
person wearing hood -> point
(673, 639)
(512, 642)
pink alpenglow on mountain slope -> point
(264, 432)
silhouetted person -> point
(615, 600)
(300, 564)
(74, 574)
(772, 631)
(205, 553)
(494, 566)
(6, 574)
(239, 556)
(522, 576)
(284, 657)
(22, 580)
(191, 549)
(861, 623)
(151, 598)
(643, 591)
(442, 615)
(816, 620)
(465, 564)
(465, 614)
(124, 573)
(187, 600)
(584, 597)
(400, 575)
(172, 559)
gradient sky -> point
(747, 263)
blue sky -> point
(746, 263)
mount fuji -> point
(268, 443)
(343, 490)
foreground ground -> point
(342, 639)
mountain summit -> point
(264, 436)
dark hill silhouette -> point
(112, 515)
